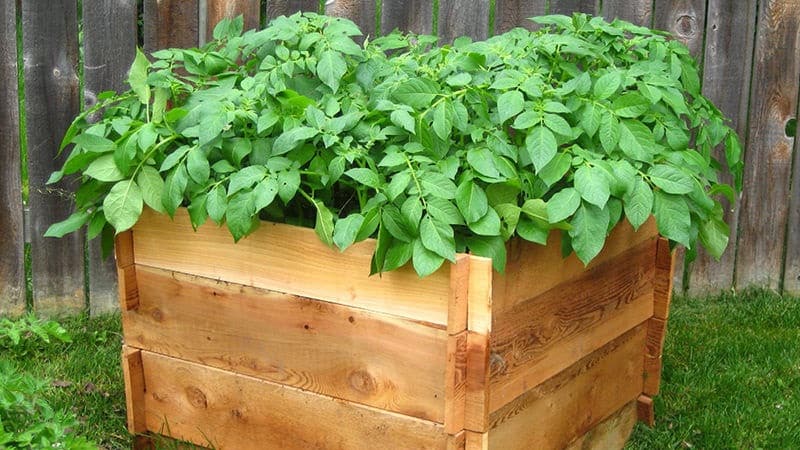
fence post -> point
(463, 18)
(170, 23)
(414, 15)
(515, 13)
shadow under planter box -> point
(279, 342)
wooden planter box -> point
(279, 342)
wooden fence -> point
(749, 50)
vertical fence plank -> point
(685, 19)
(791, 273)
(463, 18)
(109, 44)
(362, 12)
(639, 12)
(768, 159)
(568, 7)
(728, 58)
(170, 23)
(277, 8)
(50, 48)
(515, 13)
(413, 15)
(12, 270)
(220, 9)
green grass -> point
(731, 376)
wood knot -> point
(363, 382)
(686, 26)
(157, 315)
(196, 397)
(237, 414)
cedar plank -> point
(612, 433)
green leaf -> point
(239, 214)
(288, 183)
(266, 120)
(638, 203)
(527, 119)
(245, 179)
(558, 124)
(137, 77)
(396, 224)
(607, 85)
(331, 67)
(630, 105)
(488, 225)
(197, 166)
(509, 104)
(365, 176)
(541, 147)
(425, 261)
(441, 124)
(152, 186)
(592, 183)
(532, 231)
(438, 185)
(174, 187)
(93, 143)
(384, 241)
(398, 185)
(671, 179)
(217, 204)
(289, 140)
(398, 255)
(438, 238)
(346, 230)
(471, 201)
(672, 217)
(714, 236)
(481, 160)
(123, 205)
(104, 169)
(563, 204)
(417, 93)
(489, 247)
(324, 223)
(70, 224)
(590, 119)
(636, 140)
(588, 232)
(609, 132)
(555, 170)
(403, 119)
(459, 79)
(174, 157)
(265, 192)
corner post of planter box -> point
(456, 369)
(656, 329)
(133, 372)
(126, 271)
(479, 326)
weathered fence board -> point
(639, 12)
(277, 8)
(12, 270)
(362, 12)
(413, 15)
(463, 18)
(50, 41)
(109, 45)
(515, 13)
(728, 57)
(170, 23)
(570, 6)
(764, 209)
(791, 271)
(220, 9)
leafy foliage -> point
(431, 150)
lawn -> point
(731, 376)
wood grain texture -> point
(728, 58)
(663, 278)
(515, 13)
(568, 7)
(764, 210)
(685, 19)
(213, 407)
(277, 8)
(362, 12)
(12, 253)
(170, 23)
(455, 393)
(654, 349)
(133, 373)
(276, 257)
(542, 337)
(610, 434)
(347, 353)
(407, 15)
(221, 9)
(458, 302)
(477, 441)
(480, 308)
(109, 43)
(457, 441)
(567, 406)
(644, 410)
(50, 42)
(551, 268)
(463, 18)
(639, 12)
(476, 414)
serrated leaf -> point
(563, 204)
(591, 182)
(123, 204)
(72, 223)
(672, 180)
(541, 147)
(152, 186)
(588, 232)
(509, 104)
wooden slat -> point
(730, 30)
(211, 406)
(568, 7)
(612, 433)
(639, 12)
(352, 354)
(543, 336)
(133, 373)
(217, 10)
(407, 15)
(644, 409)
(459, 295)
(170, 23)
(476, 414)
(763, 216)
(128, 289)
(791, 273)
(551, 268)
(480, 308)
(463, 18)
(515, 13)
(50, 42)
(652, 374)
(656, 331)
(277, 8)
(457, 441)
(109, 42)
(276, 257)
(685, 19)
(455, 393)
(476, 441)
(565, 407)
(362, 12)
(662, 282)
(12, 271)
